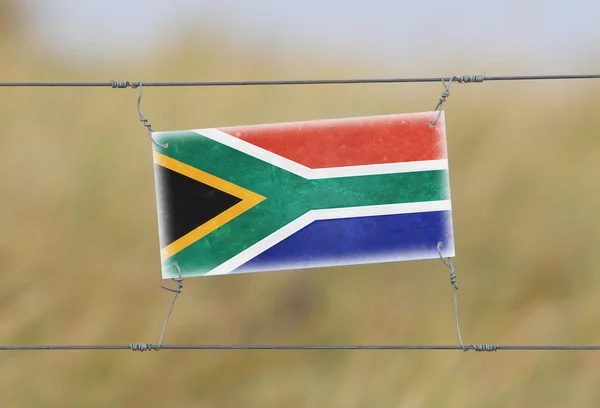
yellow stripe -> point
(249, 200)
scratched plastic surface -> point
(303, 195)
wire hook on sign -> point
(465, 79)
(145, 121)
(440, 104)
(133, 85)
(177, 291)
(141, 347)
(454, 290)
(476, 347)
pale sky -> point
(546, 33)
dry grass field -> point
(80, 261)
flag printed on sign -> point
(303, 195)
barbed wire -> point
(459, 79)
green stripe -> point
(375, 190)
(288, 196)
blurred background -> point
(78, 239)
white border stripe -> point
(447, 252)
(334, 213)
(311, 174)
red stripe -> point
(351, 142)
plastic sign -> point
(303, 195)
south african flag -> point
(303, 194)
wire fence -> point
(459, 79)
(154, 347)
(447, 81)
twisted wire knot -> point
(443, 98)
(146, 124)
(484, 347)
(453, 277)
(123, 84)
(179, 281)
(144, 120)
(445, 95)
(177, 291)
(469, 79)
(449, 265)
(141, 347)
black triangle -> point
(184, 204)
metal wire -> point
(176, 292)
(117, 84)
(454, 292)
(459, 79)
(440, 104)
(141, 347)
(146, 347)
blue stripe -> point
(382, 238)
